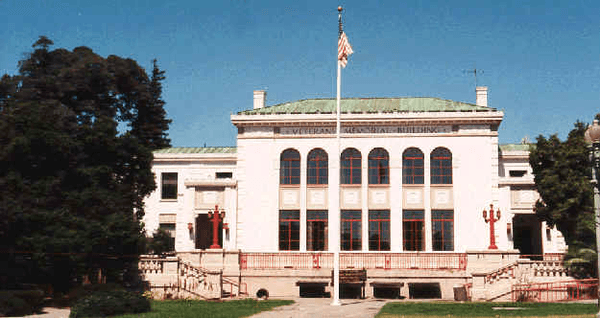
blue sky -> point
(541, 59)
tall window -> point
(351, 166)
(289, 170)
(351, 231)
(168, 188)
(413, 227)
(379, 172)
(379, 230)
(441, 166)
(317, 167)
(316, 230)
(169, 228)
(412, 166)
(442, 222)
(289, 230)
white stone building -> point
(401, 192)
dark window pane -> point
(412, 166)
(289, 230)
(413, 228)
(350, 172)
(441, 166)
(351, 231)
(169, 185)
(289, 167)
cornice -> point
(492, 117)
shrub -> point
(161, 242)
(82, 291)
(20, 302)
(110, 303)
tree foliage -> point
(562, 178)
(77, 133)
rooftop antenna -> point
(474, 71)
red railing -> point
(556, 291)
(354, 260)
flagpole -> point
(336, 245)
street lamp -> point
(592, 138)
(492, 220)
(216, 218)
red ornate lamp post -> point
(492, 220)
(592, 138)
(216, 218)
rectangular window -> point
(289, 230)
(379, 230)
(517, 173)
(223, 175)
(170, 228)
(316, 230)
(413, 224)
(351, 231)
(442, 222)
(168, 185)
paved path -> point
(321, 307)
(51, 312)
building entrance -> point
(204, 232)
(528, 235)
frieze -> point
(366, 130)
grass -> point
(199, 308)
(476, 309)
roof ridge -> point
(368, 105)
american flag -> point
(344, 49)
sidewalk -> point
(321, 307)
(51, 312)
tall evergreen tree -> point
(562, 178)
(71, 182)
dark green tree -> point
(72, 179)
(562, 178)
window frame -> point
(314, 218)
(317, 163)
(413, 224)
(171, 228)
(353, 220)
(413, 172)
(351, 162)
(290, 240)
(379, 166)
(441, 166)
(289, 167)
(440, 218)
(168, 186)
(379, 223)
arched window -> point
(317, 167)
(350, 166)
(379, 164)
(289, 170)
(412, 166)
(441, 166)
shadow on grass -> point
(199, 308)
(477, 309)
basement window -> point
(424, 291)
(517, 173)
(223, 175)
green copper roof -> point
(516, 147)
(205, 150)
(368, 105)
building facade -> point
(405, 176)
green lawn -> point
(475, 309)
(197, 308)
